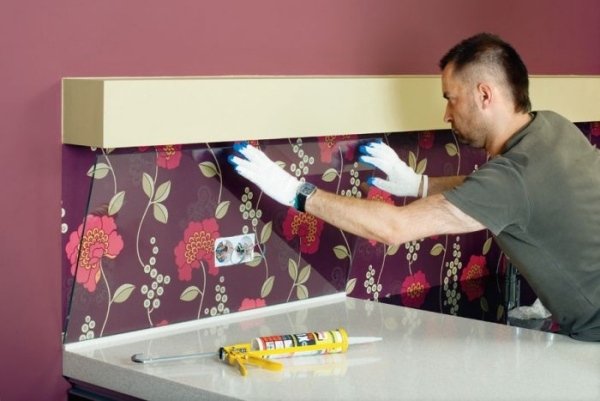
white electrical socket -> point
(234, 250)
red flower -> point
(99, 240)
(595, 128)
(426, 140)
(472, 280)
(414, 290)
(379, 195)
(332, 143)
(248, 303)
(197, 245)
(168, 156)
(306, 226)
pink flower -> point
(248, 303)
(472, 280)
(414, 290)
(99, 240)
(333, 143)
(379, 195)
(197, 245)
(168, 156)
(426, 139)
(306, 226)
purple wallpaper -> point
(141, 225)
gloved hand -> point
(266, 174)
(401, 179)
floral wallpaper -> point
(143, 228)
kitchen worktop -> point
(423, 355)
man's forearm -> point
(438, 185)
(387, 223)
(357, 216)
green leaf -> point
(221, 210)
(484, 304)
(341, 252)
(301, 292)
(116, 202)
(412, 160)
(208, 169)
(392, 249)
(255, 261)
(293, 269)
(436, 249)
(487, 246)
(98, 171)
(451, 149)
(350, 286)
(304, 274)
(267, 287)
(329, 175)
(266, 231)
(148, 185)
(500, 313)
(421, 166)
(161, 214)
(162, 192)
(190, 293)
(122, 293)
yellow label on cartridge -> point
(311, 343)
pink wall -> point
(42, 41)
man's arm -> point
(437, 185)
(388, 223)
(370, 219)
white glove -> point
(401, 179)
(266, 174)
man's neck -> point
(512, 125)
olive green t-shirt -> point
(541, 199)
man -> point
(539, 193)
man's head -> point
(488, 53)
(486, 84)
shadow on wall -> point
(166, 234)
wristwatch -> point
(304, 191)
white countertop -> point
(423, 356)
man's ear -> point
(484, 95)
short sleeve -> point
(494, 195)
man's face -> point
(461, 109)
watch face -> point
(307, 189)
(303, 193)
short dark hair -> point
(487, 48)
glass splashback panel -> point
(173, 233)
